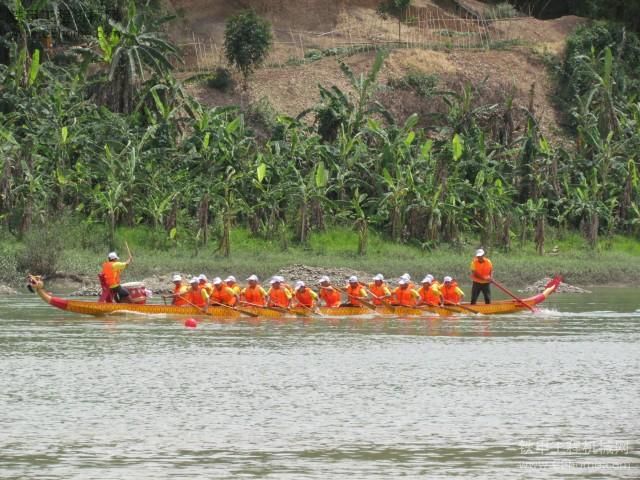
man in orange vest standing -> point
(481, 274)
(111, 271)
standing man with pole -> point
(481, 275)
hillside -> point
(500, 59)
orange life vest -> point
(305, 298)
(278, 297)
(223, 295)
(178, 295)
(405, 296)
(330, 296)
(254, 295)
(111, 275)
(431, 294)
(196, 297)
(378, 291)
(451, 293)
(481, 270)
(354, 293)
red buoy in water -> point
(190, 323)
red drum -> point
(137, 292)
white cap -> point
(323, 279)
(448, 279)
(230, 278)
(252, 278)
(194, 280)
(427, 279)
(480, 253)
(217, 281)
(353, 279)
(379, 277)
(275, 279)
(279, 278)
(176, 278)
(299, 284)
(202, 277)
(402, 281)
(406, 276)
(113, 256)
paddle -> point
(229, 307)
(310, 310)
(383, 300)
(504, 289)
(369, 305)
(463, 307)
(272, 308)
(128, 250)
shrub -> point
(247, 40)
(502, 10)
(221, 79)
(43, 246)
(422, 83)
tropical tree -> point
(247, 40)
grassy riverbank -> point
(616, 261)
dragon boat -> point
(97, 308)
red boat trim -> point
(61, 303)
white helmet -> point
(252, 278)
(378, 277)
(406, 276)
(299, 284)
(323, 279)
(402, 281)
(194, 280)
(176, 278)
(217, 281)
(353, 279)
(427, 279)
(202, 277)
(230, 278)
(480, 253)
(113, 256)
(448, 279)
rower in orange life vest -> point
(379, 290)
(197, 296)
(407, 277)
(305, 296)
(204, 283)
(404, 295)
(111, 270)
(354, 291)
(222, 294)
(179, 290)
(328, 294)
(430, 293)
(481, 274)
(254, 294)
(451, 293)
(230, 281)
(278, 295)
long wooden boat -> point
(98, 309)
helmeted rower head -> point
(230, 279)
(202, 278)
(275, 281)
(194, 281)
(480, 252)
(324, 281)
(217, 282)
(448, 279)
(176, 278)
(253, 279)
(113, 256)
(378, 279)
(406, 276)
(353, 279)
(428, 279)
(300, 285)
(403, 282)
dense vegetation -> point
(106, 133)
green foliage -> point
(221, 79)
(423, 84)
(43, 245)
(396, 8)
(502, 10)
(247, 40)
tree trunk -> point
(540, 235)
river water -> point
(550, 395)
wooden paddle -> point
(504, 289)
(369, 305)
(310, 310)
(463, 307)
(383, 300)
(229, 307)
(272, 308)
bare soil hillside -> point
(501, 59)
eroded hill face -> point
(502, 60)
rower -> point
(354, 291)
(407, 277)
(378, 289)
(278, 295)
(179, 289)
(404, 295)
(451, 293)
(197, 296)
(254, 294)
(481, 275)
(111, 272)
(230, 281)
(430, 293)
(221, 293)
(305, 296)
(204, 283)
(328, 294)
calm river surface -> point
(550, 395)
